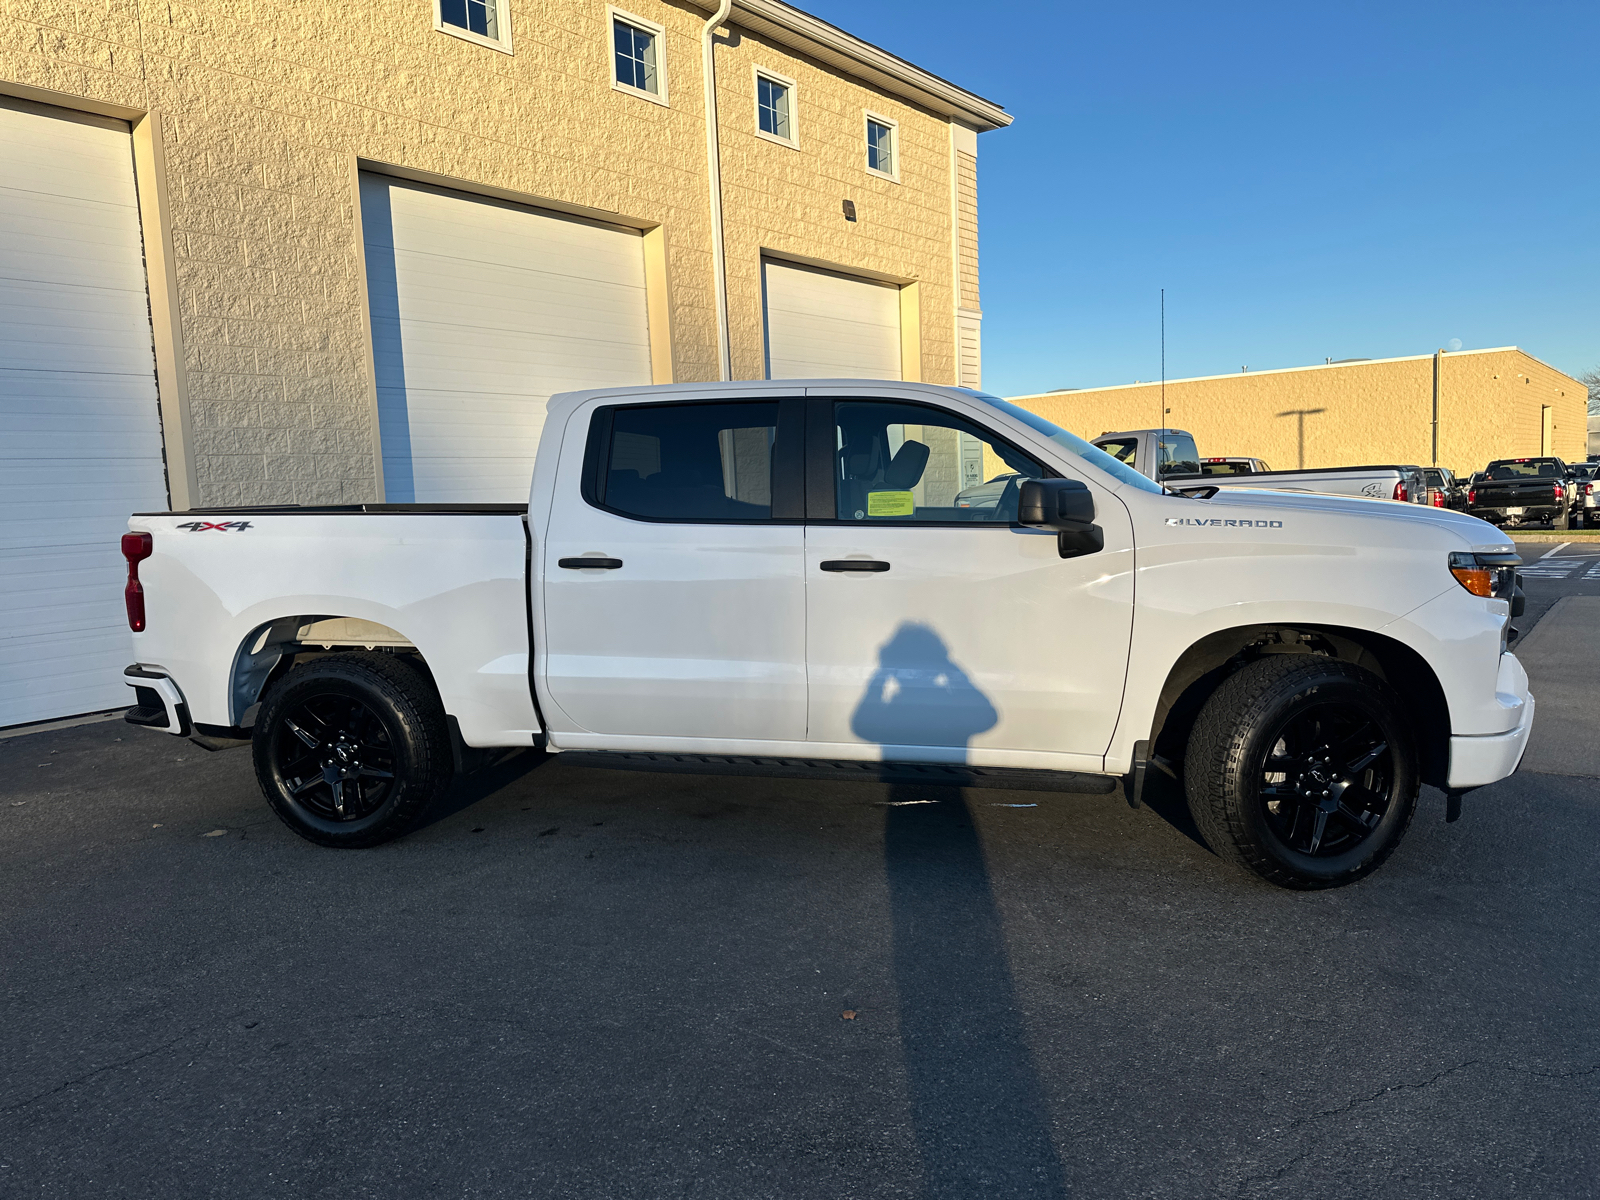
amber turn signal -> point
(1477, 580)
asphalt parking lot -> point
(599, 984)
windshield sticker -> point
(1221, 523)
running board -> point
(925, 774)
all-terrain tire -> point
(1246, 720)
(350, 749)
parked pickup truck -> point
(1523, 491)
(1169, 456)
(774, 577)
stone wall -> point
(266, 106)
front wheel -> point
(1302, 769)
(350, 749)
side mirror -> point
(1066, 506)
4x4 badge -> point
(223, 526)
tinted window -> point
(1523, 469)
(1176, 455)
(904, 462)
(1224, 468)
(691, 462)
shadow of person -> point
(918, 697)
(977, 1106)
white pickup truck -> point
(775, 577)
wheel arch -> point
(1202, 668)
(271, 648)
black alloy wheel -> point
(334, 756)
(350, 749)
(1325, 780)
(1303, 769)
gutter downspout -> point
(719, 265)
(1437, 355)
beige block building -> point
(1457, 410)
(339, 251)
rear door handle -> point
(589, 564)
(870, 565)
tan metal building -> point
(1453, 409)
(342, 250)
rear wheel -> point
(1301, 769)
(351, 748)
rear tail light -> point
(1588, 489)
(1400, 492)
(1489, 575)
(1560, 493)
(1472, 495)
(1438, 499)
(136, 547)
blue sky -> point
(1306, 180)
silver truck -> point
(1169, 456)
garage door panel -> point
(825, 325)
(80, 440)
(480, 311)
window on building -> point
(881, 147)
(773, 101)
(477, 20)
(636, 52)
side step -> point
(925, 774)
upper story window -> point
(481, 21)
(883, 156)
(775, 107)
(637, 55)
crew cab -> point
(1522, 491)
(776, 577)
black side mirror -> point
(1066, 506)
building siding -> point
(1346, 414)
(268, 106)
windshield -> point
(1095, 457)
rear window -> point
(691, 462)
(1224, 468)
(1524, 468)
(1176, 455)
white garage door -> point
(480, 311)
(822, 325)
(80, 430)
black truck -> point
(1523, 491)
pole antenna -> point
(1162, 423)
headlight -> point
(1490, 575)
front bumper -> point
(1487, 758)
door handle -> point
(870, 565)
(589, 564)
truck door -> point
(691, 621)
(935, 626)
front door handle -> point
(870, 565)
(589, 564)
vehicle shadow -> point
(1165, 797)
(467, 790)
(977, 1106)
